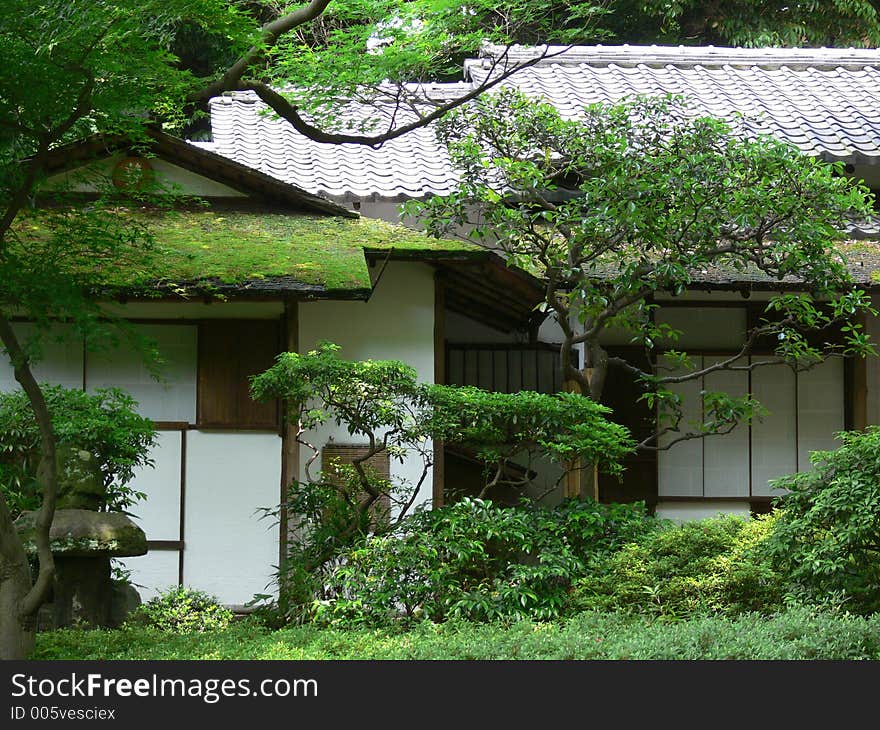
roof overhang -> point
(198, 160)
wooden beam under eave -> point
(858, 395)
(872, 368)
(478, 312)
(289, 444)
(439, 473)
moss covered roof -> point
(322, 251)
(260, 253)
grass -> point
(793, 634)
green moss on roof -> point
(233, 247)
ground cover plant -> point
(182, 610)
(800, 633)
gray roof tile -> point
(825, 101)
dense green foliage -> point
(103, 423)
(497, 427)
(478, 561)
(839, 23)
(379, 402)
(796, 634)
(180, 610)
(828, 537)
(717, 565)
(426, 40)
(383, 406)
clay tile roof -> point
(825, 101)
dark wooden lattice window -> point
(334, 455)
(230, 351)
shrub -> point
(828, 536)
(713, 565)
(182, 610)
(478, 561)
(103, 423)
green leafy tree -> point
(636, 199)
(502, 429)
(71, 69)
(302, 59)
(104, 423)
(382, 405)
(754, 23)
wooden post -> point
(581, 481)
(439, 472)
(289, 444)
(859, 394)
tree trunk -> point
(16, 631)
(582, 481)
(19, 600)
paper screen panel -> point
(726, 457)
(774, 438)
(820, 409)
(680, 468)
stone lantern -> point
(83, 540)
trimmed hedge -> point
(716, 565)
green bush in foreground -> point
(104, 423)
(716, 565)
(795, 634)
(182, 610)
(828, 537)
(478, 561)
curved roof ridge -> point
(658, 55)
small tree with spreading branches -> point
(639, 199)
(382, 405)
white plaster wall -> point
(153, 573)
(229, 550)
(89, 178)
(196, 310)
(397, 323)
(684, 511)
(170, 398)
(159, 514)
(60, 357)
(381, 209)
(192, 183)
